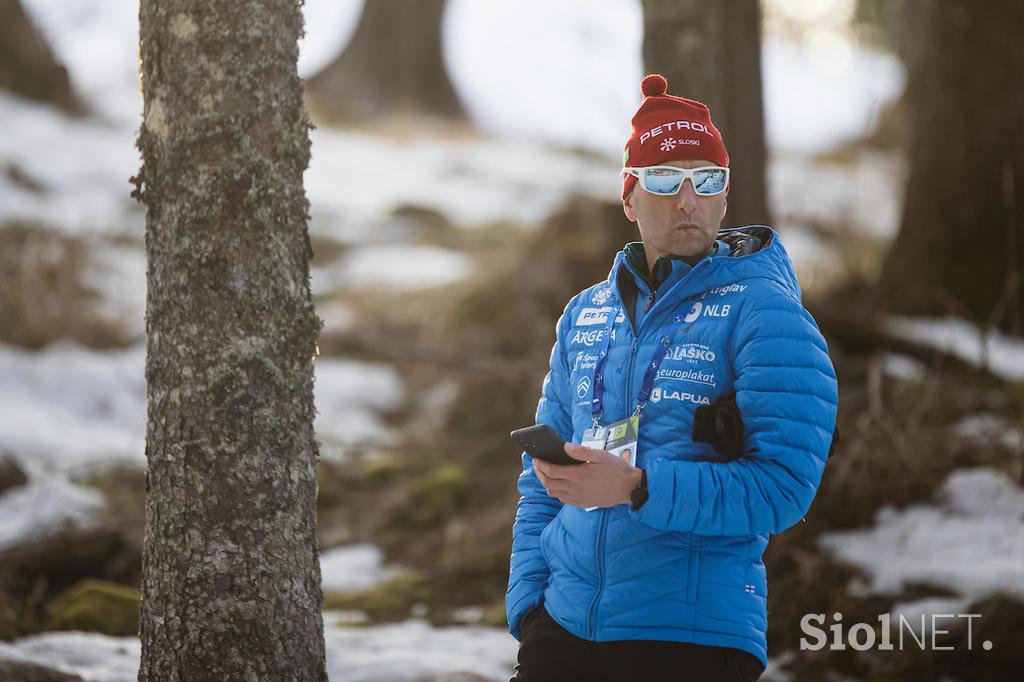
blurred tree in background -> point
(711, 52)
(960, 249)
(393, 65)
(28, 66)
(231, 574)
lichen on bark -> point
(231, 577)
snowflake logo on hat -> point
(668, 144)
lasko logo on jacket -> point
(690, 351)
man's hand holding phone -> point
(604, 480)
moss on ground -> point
(96, 606)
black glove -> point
(720, 425)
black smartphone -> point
(541, 441)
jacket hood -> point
(756, 252)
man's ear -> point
(628, 209)
(725, 208)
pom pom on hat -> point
(654, 85)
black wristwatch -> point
(639, 494)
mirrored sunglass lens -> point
(711, 181)
(662, 180)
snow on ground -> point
(904, 367)
(866, 196)
(392, 266)
(67, 406)
(998, 353)
(45, 505)
(67, 409)
(353, 567)
(402, 652)
(985, 429)
(94, 657)
(349, 395)
(82, 165)
(971, 540)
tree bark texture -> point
(960, 249)
(231, 576)
(711, 52)
(393, 66)
(28, 67)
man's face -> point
(683, 224)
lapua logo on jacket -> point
(659, 394)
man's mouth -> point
(688, 226)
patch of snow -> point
(812, 102)
(67, 406)
(393, 266)
(866, 195)
(413, 650)
(82, 164)
(986, 429)
(94, 657)
(470, 181)
(913, 610)
(329, 26)
(353, 567)
(349, 395)
(575, 75)
(904, 367)
(998, 353)
(970, 541)
(41, 506)
(402, 652)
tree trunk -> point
(393, 66)
(960, 249)
(711, 52)
(231, 575)
(28, 66)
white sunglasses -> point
(668, 180)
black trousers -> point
(549, 652)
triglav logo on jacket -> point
(601, 295)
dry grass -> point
(43, 294)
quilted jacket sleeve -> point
(528, 574)
(787, 395)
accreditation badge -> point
(619, 438)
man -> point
(652, 570)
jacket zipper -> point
(592, 617)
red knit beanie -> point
(666, 127)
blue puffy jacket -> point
(687, 565)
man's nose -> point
(687, 197)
